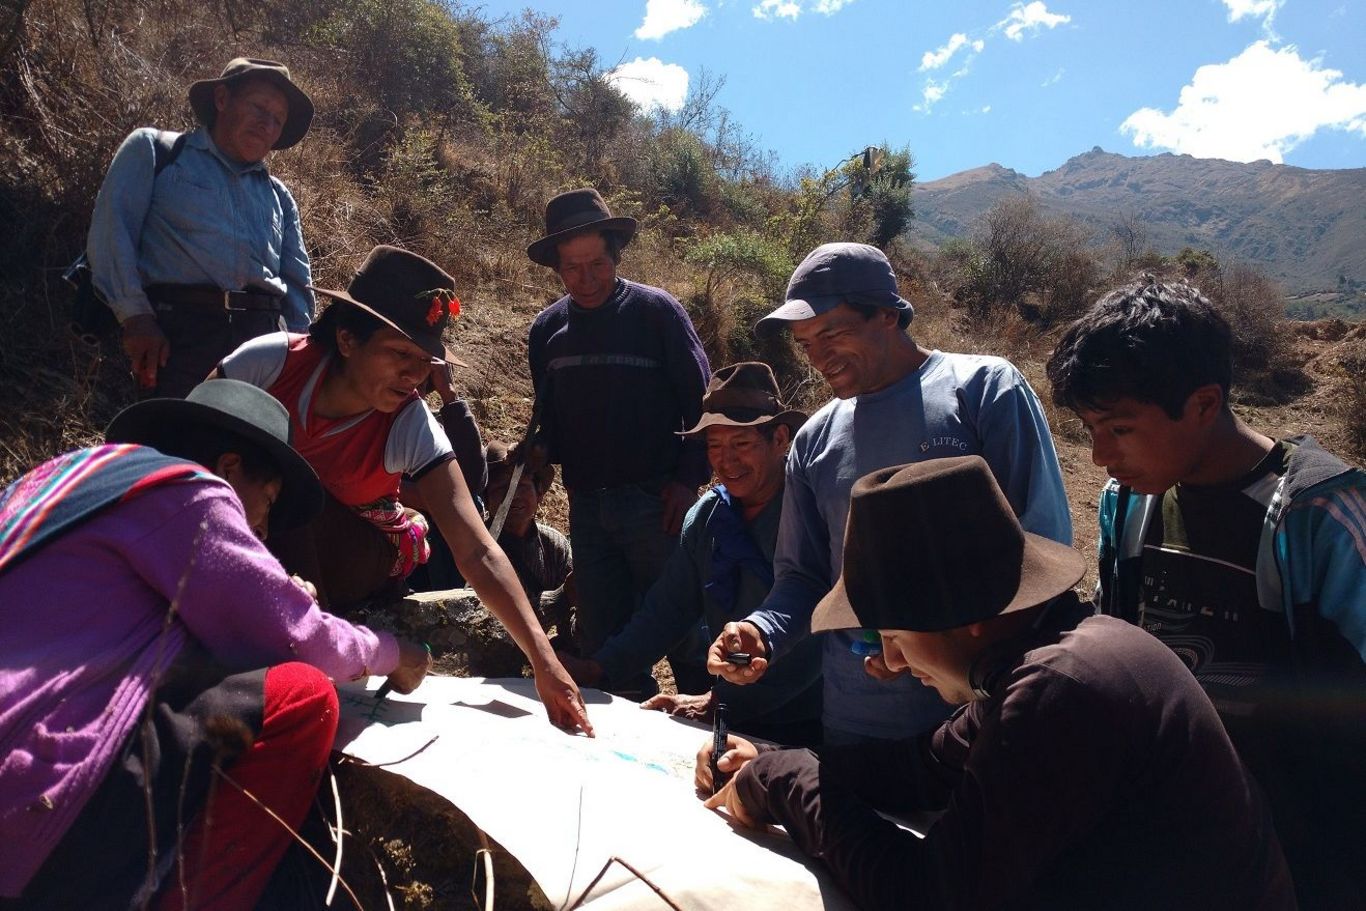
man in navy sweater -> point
(620, 371)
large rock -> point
(466, 639)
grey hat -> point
(240, 68)
(834, 274)
(241, 409)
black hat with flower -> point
(406, 291)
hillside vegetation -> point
(443, 131)
(438, 130)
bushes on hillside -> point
(1022, 260)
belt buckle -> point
(227, 303)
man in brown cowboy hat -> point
(193, 244)
(1086, 767)
(723, 567)
(619, 370)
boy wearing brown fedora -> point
(619, 370)
(1085, 767)
(193, 244)
(723, 567)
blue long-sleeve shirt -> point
(204, 220)
(955, 404)
(790, 692)
(624, 378)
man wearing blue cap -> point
(895, 402)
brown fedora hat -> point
(300, 107)
(935, 545)
(744, 395)
(572, 213)
(407, 291)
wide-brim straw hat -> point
(406, 291)
(300, 106)
(744, 395)
(243, 410)
(935, 545)
(573, 213)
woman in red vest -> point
(350, 386)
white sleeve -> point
(416, 440)
(257, 361)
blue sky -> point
(1023, 84)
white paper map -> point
(564, 805)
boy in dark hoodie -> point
(1245, 554)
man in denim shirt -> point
(208, 253)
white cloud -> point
(933, 60)
(791, 9)
(651, 83)
(1257, 9)
(1261, 104)
(777, 9)
(664, 16)
(1031, 17)
(929, 95)
(933, 89)
(1053, 80)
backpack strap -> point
(166, 148)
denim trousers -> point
(619, 551)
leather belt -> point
(210, 298)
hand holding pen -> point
(414, 661)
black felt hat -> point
(239, 408)
(935, 545)
(572, 213)
(409, 292)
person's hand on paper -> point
(738, 637)
(414, 661)
(560, 696)
(739, 752)
(694, 708)
(728, 798)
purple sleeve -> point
(235, 598)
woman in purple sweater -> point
(158, 665)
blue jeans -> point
(619, 551)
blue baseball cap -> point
(834, 274)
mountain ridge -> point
(1304, 227)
